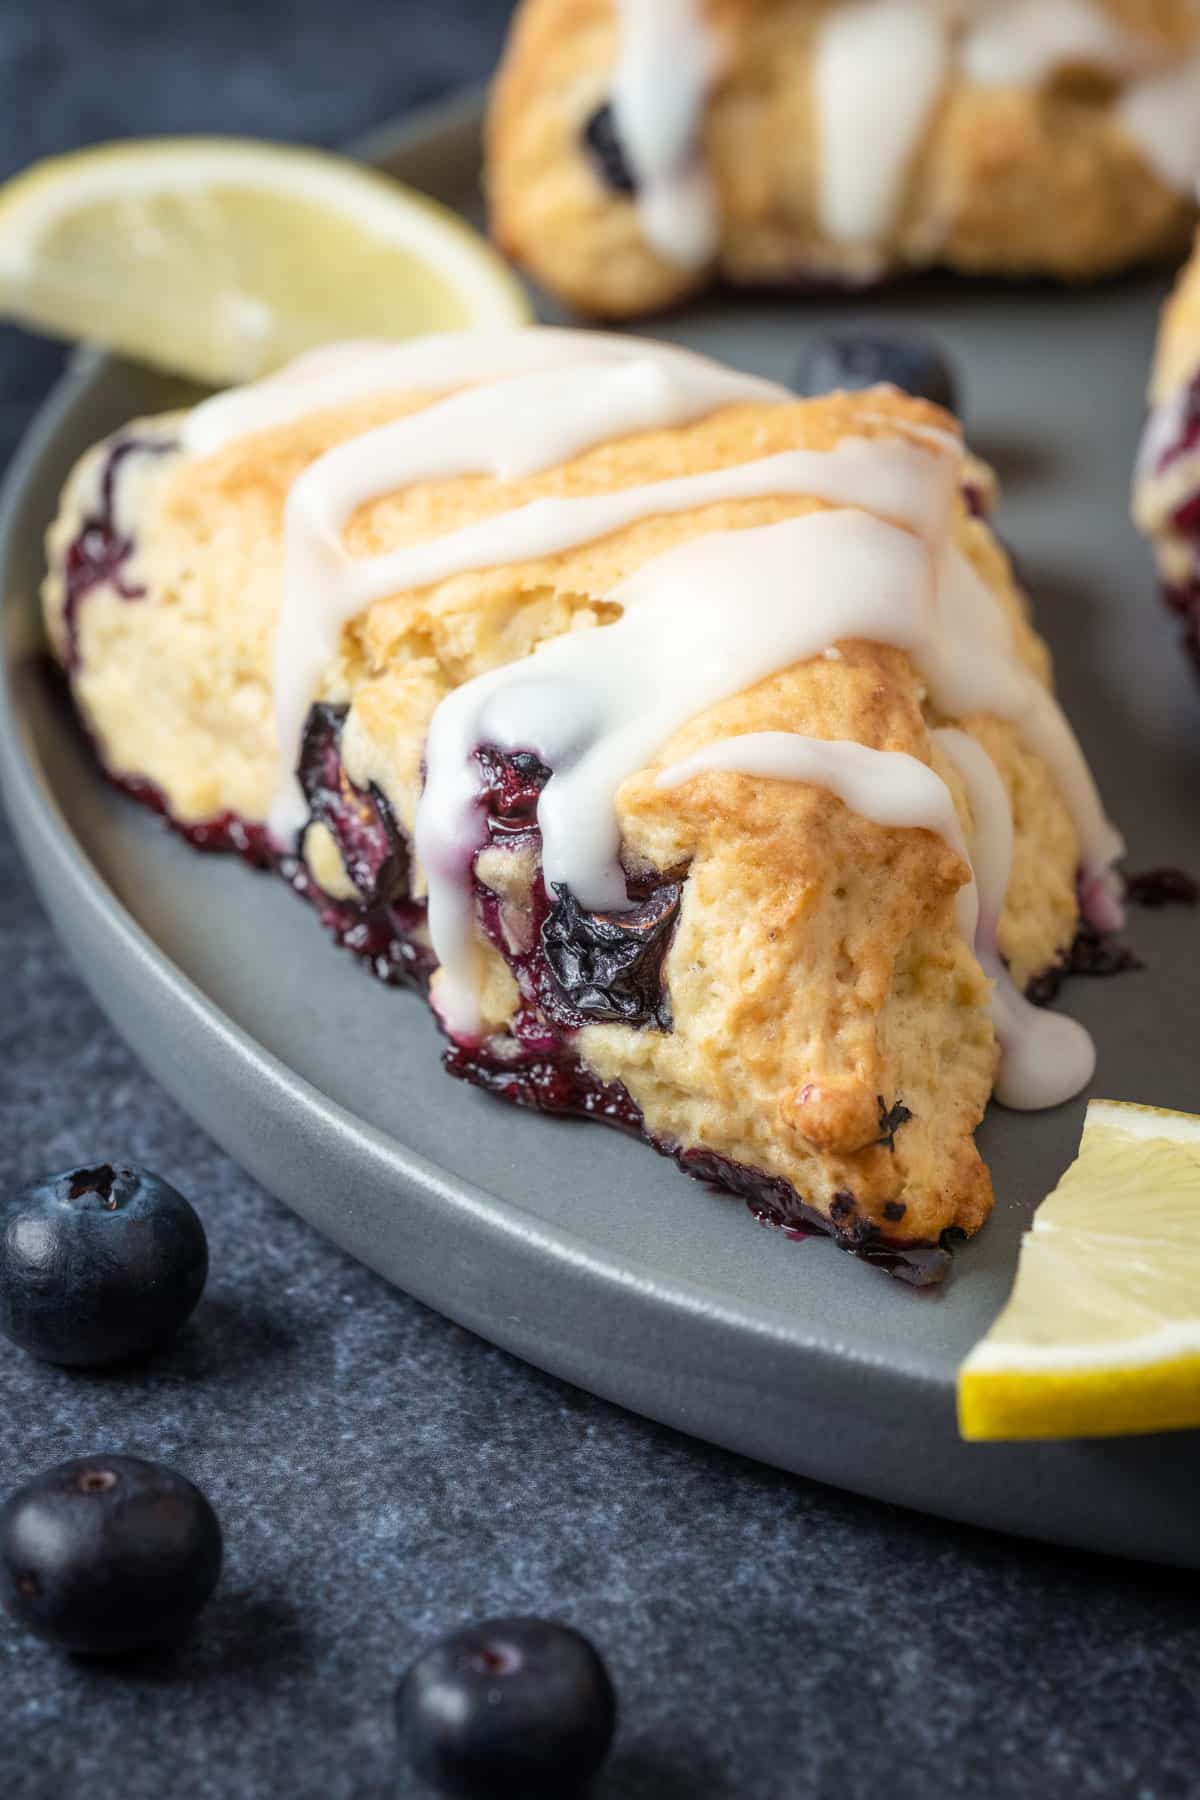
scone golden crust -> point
(791, 1006)
(838, 141)
(1166, 498)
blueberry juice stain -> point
(98, 554)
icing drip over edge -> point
(1045, 1058)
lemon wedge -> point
(222, 258)
(1102, 1334)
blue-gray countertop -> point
(382, 1475)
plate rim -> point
(641, 1306)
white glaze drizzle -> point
(515, 427)
(878, 68)
(1045, 1057)
(1162, 115)
(1023, 42)
(666, 63)
(339, 374)
(566, 401)
(881, 66)
(887, 786)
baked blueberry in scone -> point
(638, 148)
(689, 741)
(1166, 496)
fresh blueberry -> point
(98, 1264)
(513, 1709)
(856, 360)
(108, 1554)
(607, 151)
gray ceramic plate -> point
(573, 1247)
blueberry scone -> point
(1167, 482)
(689, 743)
(638, 148)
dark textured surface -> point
(381, 1475)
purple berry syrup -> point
(97, 555)
(360, 820)
(224, 833)
(554, 1082)
(1098, 953)
(775, 1203)
(387, 934)
(388, 939)
(580, 967)
(1090, 954)
(1156, 888)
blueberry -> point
(607, 151)
(512, 1707)
(98, 1264)
(608, 966)
(510, 789)
(857, 360)
(108, 1554)
(360, 820)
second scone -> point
(638, 148)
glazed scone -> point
(1166, 496)
(654, 717)
(639, 148)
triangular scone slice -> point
(550, 592)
